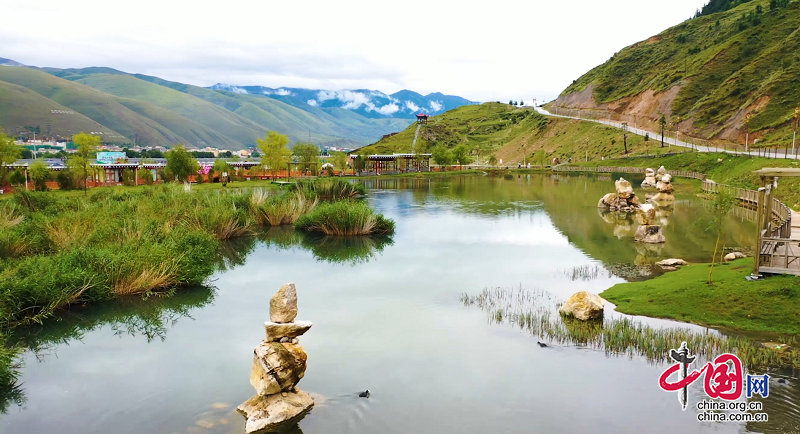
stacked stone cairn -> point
(665, 189)
(279, 363)
(623, 200)
(649, 178)
(648, 231)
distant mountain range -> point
(368, 103)
(127, 108)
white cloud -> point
(388, 109)
(312, 103)
(284, 92)
(154, 44)
(436, 106)
(411, 106)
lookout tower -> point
(422, 119)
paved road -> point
(670, 141)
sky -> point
(483, 51)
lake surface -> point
(387, 318)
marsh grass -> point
(584, 272)
(537, 313)
(345, 218)
(331, 189)
(283, 209)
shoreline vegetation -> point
(57, 251)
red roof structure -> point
(422, 115)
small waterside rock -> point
(672, 262)
(271, 413)
(734, 256)
(283, 305)
(584, 306)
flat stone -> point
(272, 413)
(283, 305)
(276, 331)
(277, 367)
(672, 262)
(584, 306)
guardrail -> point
(781, 214)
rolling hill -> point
(736, 59)
(134, 108)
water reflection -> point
(350, 250)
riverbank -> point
(770, 305)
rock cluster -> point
(648, 231)
(649, 178)
(279, 362)
(623, 200)
(584, 306)
(734, 256)
(665, 188)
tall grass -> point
(283, 209)
(346, 217)
(331, 189)
(536, 312)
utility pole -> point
(794, 136)
(625, 136)
(747, 134)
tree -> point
(40, 174)
(461, 155)
(359, 164)
(220, 166)
(274, 153)
(339, 160)
(9, 154)
(147, 176)
(511, 102)
(540, 158)
(442, 156)
(723, 203)
(86, 145)
(307, 154)
(492, 160)
(180, 163)
(663, 123)
(65, 180)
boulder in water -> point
(584, 306)
(649, 234)
(274, 412)
(277, 367)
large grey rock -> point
(277, 367)
(649, 234)
(272, 413)
(276, 331)
(283, 305)
(584, 306)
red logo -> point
(723, 378)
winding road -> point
(671, 141)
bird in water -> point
(782, 381)
(364, 394)
(541, 344)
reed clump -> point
(331, 189)
(345, 218)
(537, 313)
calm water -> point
(387, 318)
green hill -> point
(513, 135)
(707, 74)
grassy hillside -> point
(224, 122)
(97, 106)
(514, 135)
(21, 107)
(711, 71)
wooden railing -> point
(638, 170)
(781, 226)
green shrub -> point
(347, 217)
(65, 180)
(331, 189)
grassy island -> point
(769, 305)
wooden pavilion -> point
(393, 164)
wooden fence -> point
(637, 170)
(781, 226)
